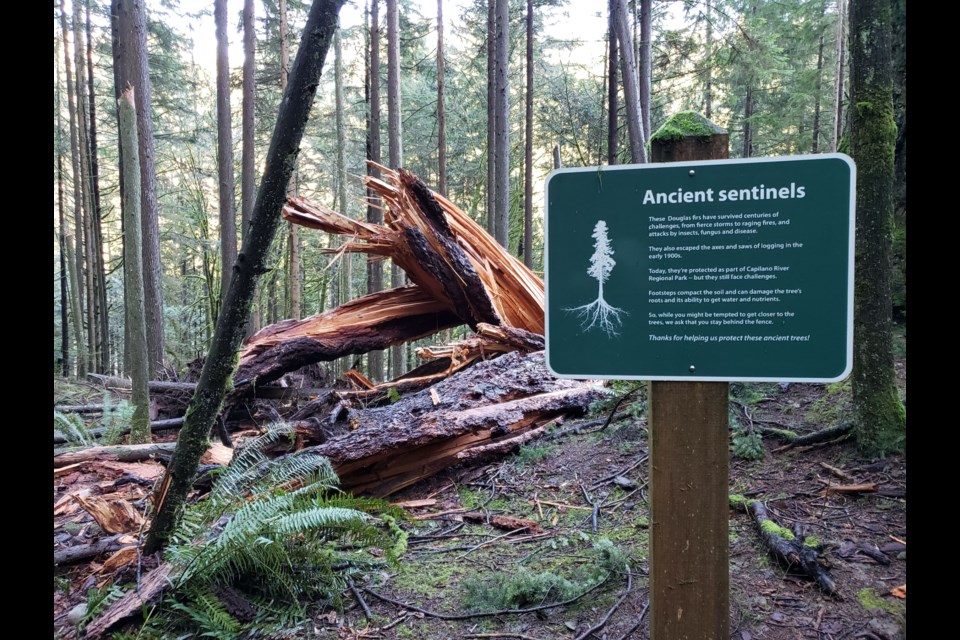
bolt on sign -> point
(713, 270)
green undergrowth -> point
(273, 541)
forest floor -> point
(452, 567)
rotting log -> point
(392, 447)
(785, 547)
(155, 425)
(217, 454)
(80, 552)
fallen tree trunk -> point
(84, 551)
(392, 447)
(156, 425)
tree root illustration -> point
(601, 315)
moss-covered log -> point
(880, 420)
(801, 556)
(218, 369)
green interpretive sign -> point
(713, 270)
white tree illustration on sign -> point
(599, 313)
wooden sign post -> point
(692, 272)
(689, 463)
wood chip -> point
(899, 592)
(415, 504)
(113, 517)
(869, 487)
(119, 559)
(434, 396)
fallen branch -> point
(817, 437)
(85, 551)
(149, 591)
(783, 545)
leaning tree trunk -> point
(295, 284)
(441, 108)
(133, 271)
(221, 362)
(880, 419)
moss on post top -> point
(686, 124)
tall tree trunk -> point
(708, 57)
(815, 145)
(645, 64)
(135, 71)
(899, 52)
(293, 232)
(628, 71)
(228, 218)
(100, 273)
(346, 259)
(86, 190)
(502, 138)
(838, 88)
(441, 107)
(133, 267)
(83, 357)
(613, 106)
(220, 363)
(248, 159)
(374, 213)
(491, 116)
(116, 44)
(528, 149)
(880, 418)
(395, 143)
(65, 298)
(747, 123)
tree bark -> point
(77, 276)
(249, 158)
(100, 279)
(221, 361)
(133, 272)
(613, 93)
(815, 145)
(645, 64)
(395, 143)
(491, 116)
(502, 137)
(899, 52)
(441, 111)
(528, 149)
(293, 234)
(62, 238)
(374, 213)
(228, 220)
(628, 71)
(135, 70)
(880, 417)
(838, 89)
(83, 143)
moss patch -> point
(769, 526)
(870, 600)
(686, 124)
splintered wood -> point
(460, 275)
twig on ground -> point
(359, 597)
(629, 633)
(616, 605)
(482, 614)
